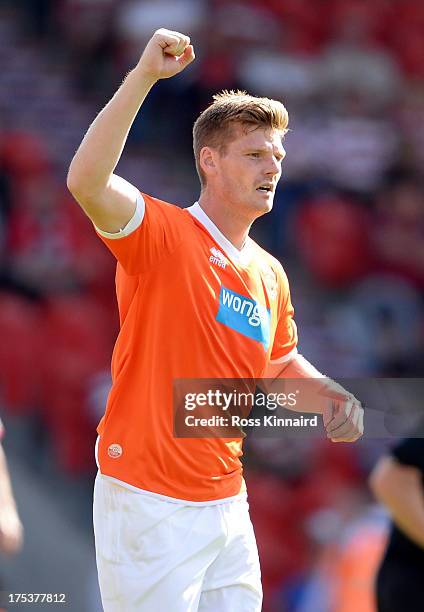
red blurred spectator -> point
(51, 248)
(374, 17)
(78, 339)
(406, 36)
(21, 338)
(398, 232)
(332, 237)
(301, 21)
(23, 154)
(410, 118)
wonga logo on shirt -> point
(244, 315)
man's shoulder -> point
(171, 216)
(167, 208)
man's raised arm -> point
(108, 199)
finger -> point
(169, 44)
(361, 422)
(176, 34)
(183, 44)
(352, 438)
(351, 430)
(356, 415)
(177, 44)
(345, 419)
(342, 412)
(180, 48)
(187, 57)
(166, 38)
(328, 413)
(344, 431)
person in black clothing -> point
(398, 483)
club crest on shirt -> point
(218, 258)
(270, 279)
(114, 451)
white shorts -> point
(155, 555)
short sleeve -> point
(285, 340)
(410, 451)
(151, 235)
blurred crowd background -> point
(347, 224)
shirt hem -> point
(175, 500)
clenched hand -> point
(166, 54)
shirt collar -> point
(240, 256)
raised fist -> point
(167, 53)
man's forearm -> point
(102, 146)
(310, 398)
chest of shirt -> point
(202, 282)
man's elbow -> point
(77, 183)
(82, 190)
(79, 196)
(74, 182)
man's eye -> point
(254, 154)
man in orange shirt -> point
(198, 299)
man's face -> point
(246, 175)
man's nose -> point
(273, 166)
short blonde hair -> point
(215, 126)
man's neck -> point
(232, 226)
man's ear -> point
(207, 159)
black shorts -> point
(400, 587)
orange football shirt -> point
(191, 306)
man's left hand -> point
(344, 419)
